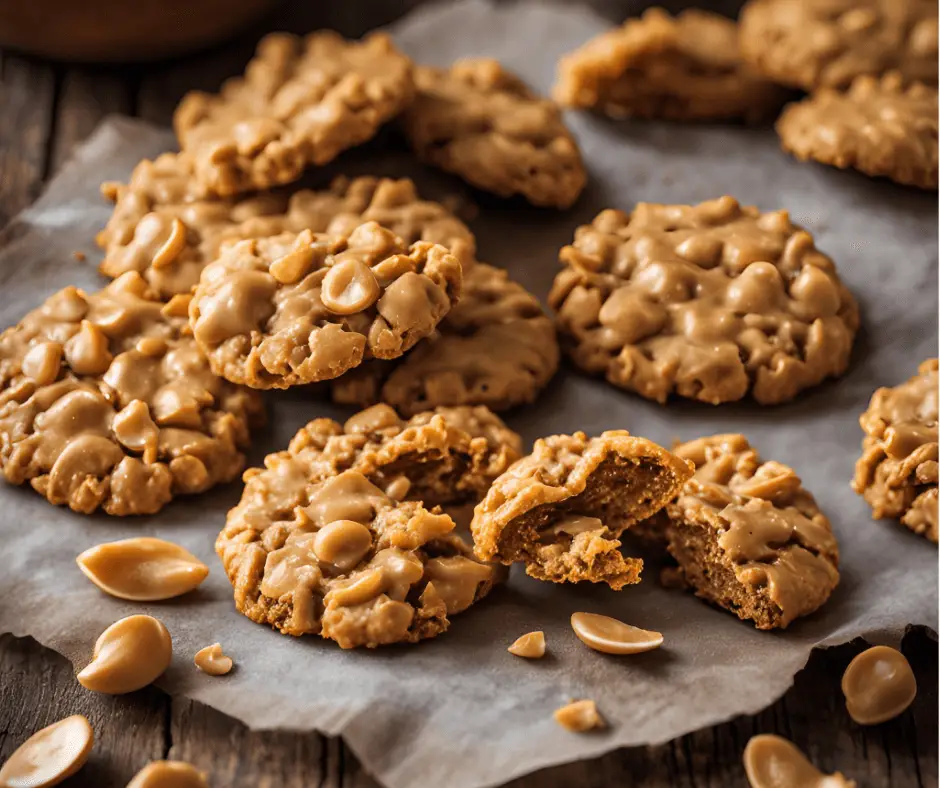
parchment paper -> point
(459, 711)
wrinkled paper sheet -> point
(459, 710)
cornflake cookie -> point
(165, 227)
(496, 347)
(484, 124)
(748, 537)
(301, 101)
(711, 301)
(298, 308)
(333, 535)
(106, 402)
(827, 43)
(877, 126)
(560, 509)
(682, 68)
(897, 472)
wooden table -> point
(45, 109)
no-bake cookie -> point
(299, 308)
(560, 509)
(683, 68)
(340, 535)
(106, 402)
(713, 302)
(301, 101)
(748, 537)
(496, 347)
(168, 229)
(878, 126)
(482, 123)
(827, 43)
(897, 472)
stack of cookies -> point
(227, 281)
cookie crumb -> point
(579, 716)
(529, 646)
(80, 256)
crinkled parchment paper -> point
(459, 710)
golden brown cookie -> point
(106, 402)
(337, 534)
(560, 509)
(712, 302)
(299, 308)
(828, 43)
(877, 126)
(482, 123)
(897, 472)
(748, 537)
(682, 68)
(165, 227)
(496, 347)
(301, 101)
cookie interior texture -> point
(106, 402)
(748, 537)
(481, 122)
(828, 43)
(301, 101)
(299, 308)
(167, 228)
(496, 347)
(880, 127)
(685, 67)
(560, 509)
(714, 302)
(897, 472)
(386, 476)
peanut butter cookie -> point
(482, 123)
(106, 402)
(748, 537)
(682, 68)
(897, 472)
(168, 229)
(301, 101)
(560, 509)
(711, 301)
(298, 308)
(827, 43)
(496, 347)
(332, 536)
(877, 126)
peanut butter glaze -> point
(897, 472)
(293, 309)
(105, 401)
(712, 302)
(317, 545)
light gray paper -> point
(459, 710)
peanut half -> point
(579, 716)
(169, 774)
(129, 655)
(606, 634)
(49, 756)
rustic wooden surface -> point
(45, 109)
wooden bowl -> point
(104, 31)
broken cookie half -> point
(341, 535)
(561, 509)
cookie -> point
(496, 347)
(748, 537)
(300, 102)
(106, 402)
(168, 229)
(828, 43)
(897, 472)
(877, 126)
(561, 509)
(392, 569)
(482, 123)
(712, 302)
(684, 68)
(299, 308)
